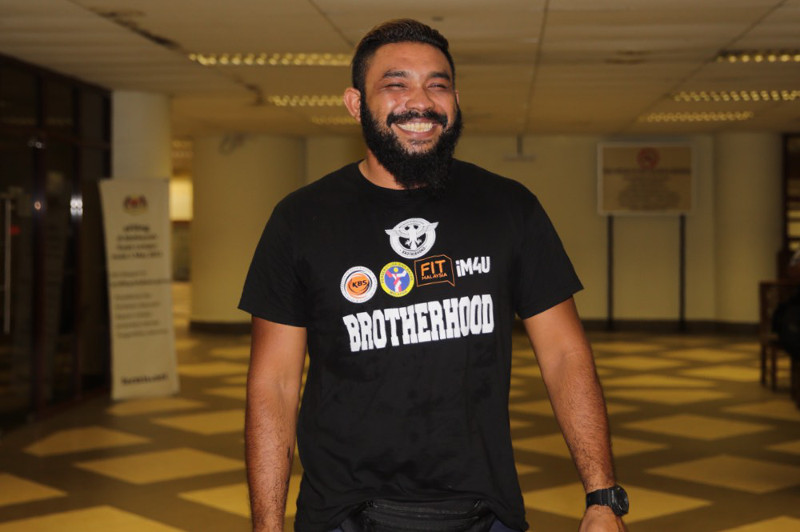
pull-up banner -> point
(137, 235)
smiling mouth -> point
(416, 127)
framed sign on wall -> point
(639, 178)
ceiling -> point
(523, 66)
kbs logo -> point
(412, 238)
(358, 284)
(397, 279)
(435, 269)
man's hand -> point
(601, 519)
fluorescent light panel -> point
(737, 96)
(759, 56)
(275, 59)
(334, 121)
(734, 116)
(314, 100)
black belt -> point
(382, 515)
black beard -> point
(429, 169)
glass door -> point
(17, 248)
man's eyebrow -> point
(404, 74)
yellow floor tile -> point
(184, 344)
(212, 369)
(697, 427)
(792, 447)
(15, 490)
(232, 499)
(238, 352)
(743, 474)
(638, 363)
(725, 373)
(667, 397)
(135, 407)
(614, 408)
(541, 407)
(650, 503)
(512, 394)
(206, 423)
(630, 446)
(82, 439)
(568, 501)
(96, 519)
(519, 423)
(655, 381)
(231, 392)
(526, 371)
(707, 355)
(623, 347)
(525, 469)
(554, 445)
(145, 468)
(777, 409)
(778, 524)
(551, 444)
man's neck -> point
(376, 174)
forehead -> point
(419, 58)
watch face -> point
(619, 500)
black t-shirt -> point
(409, 303)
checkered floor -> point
(700, 445)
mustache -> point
(411, 115)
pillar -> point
(141, 136)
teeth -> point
(416, 127)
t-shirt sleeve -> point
(546, 276)
(272, 290)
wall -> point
(237, 182)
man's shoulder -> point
(338, 182)
(476, 176)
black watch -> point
(614, 497)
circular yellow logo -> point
(397, 279)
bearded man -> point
(404, 420)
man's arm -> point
(565, 359)
(277, 354)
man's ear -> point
(352, 100)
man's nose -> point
(419, 99)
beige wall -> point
(237, 182)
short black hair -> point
(395, 31)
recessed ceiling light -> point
(275, 59)
(734, 116)
(737, 96)
(759, 56)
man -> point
(404, 419)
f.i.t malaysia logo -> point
(397, 279)
(412, 238)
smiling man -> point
(401, 276)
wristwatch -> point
(614, 497)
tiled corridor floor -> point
(700, 445)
